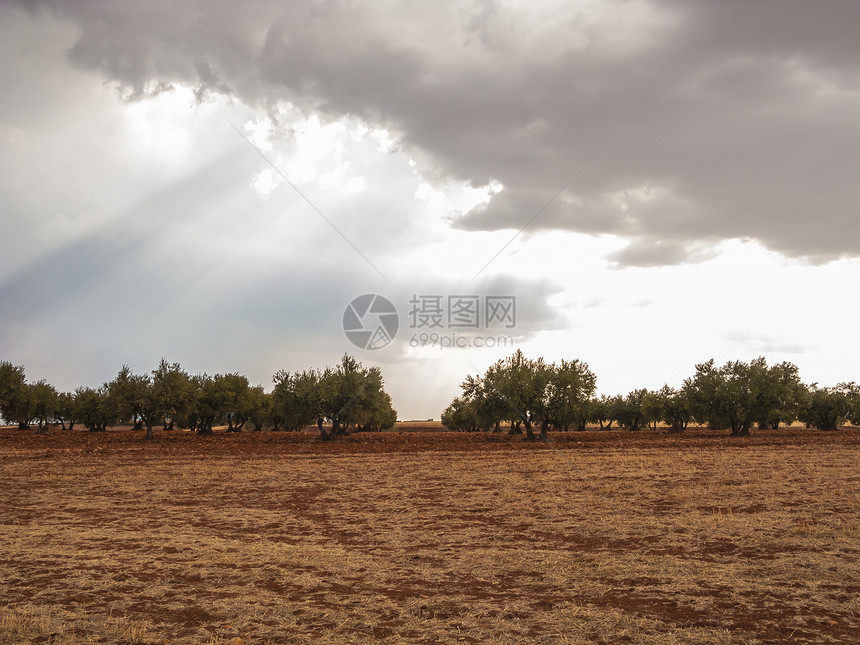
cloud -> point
(741, 114)
(652, 252)
(12, 138)
(751, 343)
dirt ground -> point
(430, 537)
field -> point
(430, 537)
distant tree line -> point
(340, 399)
(528, 395)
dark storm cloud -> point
(739, 118)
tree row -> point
(340, 399)
(531, 397)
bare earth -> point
(430, 537)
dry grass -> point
(752, 544)
(25, 624)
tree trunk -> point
(148, 435)
(677, 427)
(544, 426)
(329, 435)
(740, 429)
(530, 435)
(830, 423)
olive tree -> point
(677, 407)
(628, 411)
(174, 393)
(15, 405)
(135, 399)
(461, 415)
(527, 393)
(742, 393)
(352, 397)
(570, 388)
(294, 400)
(65, 410)
(93, 408)
(44, 400)
(827, 407)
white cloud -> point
(12, 138)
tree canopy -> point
(526, 393)
(529, 393)
(340, 399)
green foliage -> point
(854, 404)
(652, 405)
(602, 410)
(826, 408)
(259, 405)
(23, 403)
(133, 397)
(629, 411)
(383, 415)
(788, 397)
(174, 391)
(340, 399)
(570, 388)
(15, 406)
(526, 393)
(743, 393)
(461, 415)
(530, 393)
(93, 409)
(44, 400)
(676, 406)
(65, 410)
(208, 407)
(352, 397)
(236, 400)
(295, 401)
(349, 397)
(482, 406)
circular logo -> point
(370, 321)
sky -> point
(647, 184)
